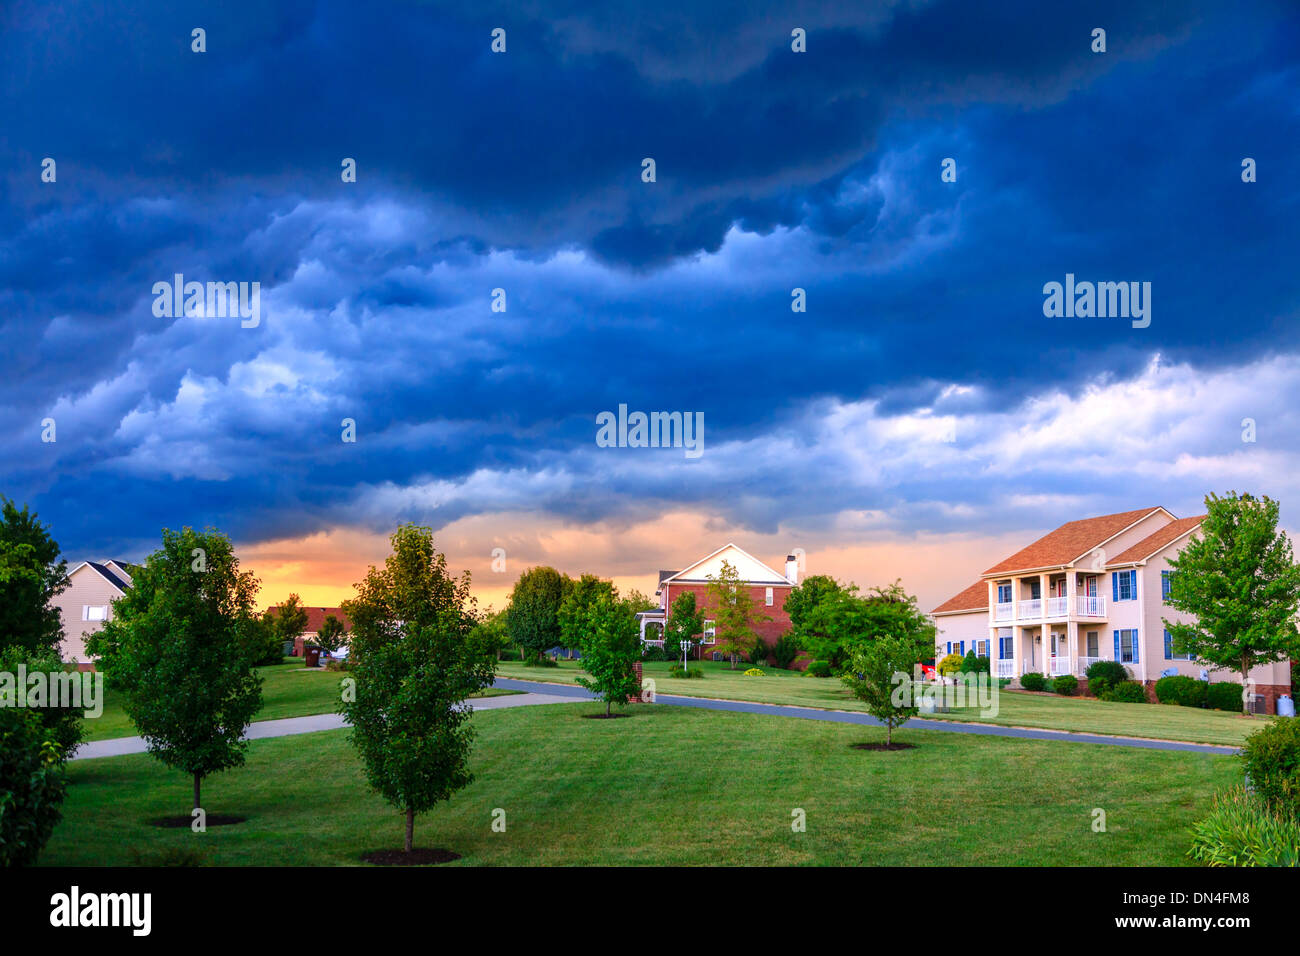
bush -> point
(1065, 685)
(819, 669)
(541, 661)
(1241, 831)
(1272, 758)
(1224, 695)
(1103, 675)
(1182, 691)
(675, 670)
(1125, 692)
(951, 665)
(784, 651)
(653, 652)
(1032, 681)
(32, 785)
(754, 672)
(759, 654)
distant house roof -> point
(974, 598)
(1154, 543)
(665, 574)
(1071, 541)
(749, 569)
(316, 617)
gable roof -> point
(1071, 541)
(749, 568)
(1154, 543)
(974, 598)
(108, 574)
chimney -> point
(792, 569)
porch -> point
(1044, 649)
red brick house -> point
(768, 589)
(315, 618)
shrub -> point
(820, 669)
(1103, 675)
(1272, 758)
(759, 653)
(784, 651)
(754, 672)
(675, 670)
(653, 652)
(32, 785)
(1032, 681)
(1065, 685)
(950, 665)
(1126, 692)
(541, 661)
(1224, 695)
(1241, 831)
(1182, 691)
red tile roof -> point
(1068, 542)
(974, 598)
(1154, 542)
(316, 617)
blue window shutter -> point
(1114, 587)
(950, 647)
(1133, 584)
(1169, 646)
(961, 647)
(1137, 655)
(1117, 657)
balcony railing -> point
(1030, 608)
(1090, 605)
(1058, 606)
(1035, 609)
(1006, 668)
(1003, 612)
(1060, 666)
(1083, 663)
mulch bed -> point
(604, 716)
(893, 746)
(213, 820)
(417, 857)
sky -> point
(920, 419)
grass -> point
(1015, 708)
(671, 785)
(288, 690)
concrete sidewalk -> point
(289, 726)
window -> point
(708, 632)
(1165, 578)
(768, 597)
(1004, 648)
(1126, 642)
(1169, 651)
(92, 613)
(1035, 590)
(1092, 644)
(1004, 593)
(1124, 585)
(981, 648)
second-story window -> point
(1166, 577)
(1124, 585)
(768, 597)
(1004, 593)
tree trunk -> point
(1245, 701)
(889, 734)
(607, 709)
(197, 778)
(410, 830)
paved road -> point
(306, 725)
(572, 692)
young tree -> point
(31, 573)
(416, 657)
(1238, 577)
(610, 646)
(734, 618)
(180, 648)
(582, 595)
(685, 622)
(533, 617)
(330, 635)
(289, 620)
(879, 674)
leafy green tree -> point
(639, 602)
(733, 612)
(610, 646)
(330, 635)
(289, 621)
(31, 574)
(811, 592)
(533, 617)
(685, 622)
(879, 674)
(842, 619)
(1238, 578)
(582, 595)
(180, 649)
(61, 724)
(492, 633)
(33, 782)
(416, 655)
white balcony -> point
(1090, 605)
(1029, 609)
(1058, 606)
(1083, 663)
(1004, 612)
(1005, 668)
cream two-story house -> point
(87, 603)
(1091, 590)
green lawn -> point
(671, 785)
(288, 690)
(1015, 708)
